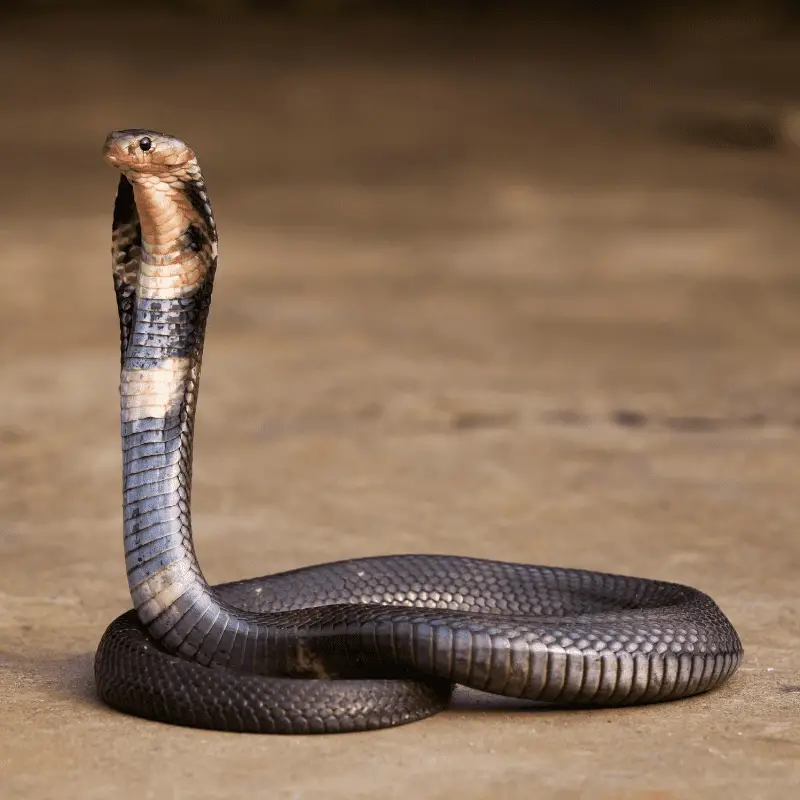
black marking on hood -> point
(196, 194)
(125, 204)
(198, 239)
(126, 250)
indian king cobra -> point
(353, 645)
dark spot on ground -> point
(748, 132)
(628, 418)
(472, 420)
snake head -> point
(140, 153)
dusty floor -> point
(473, 298)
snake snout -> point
(109, 147)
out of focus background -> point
(499, 281)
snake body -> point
(353, 645)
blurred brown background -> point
(494, 282)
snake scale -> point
(348, 646)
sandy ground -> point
(474, 297)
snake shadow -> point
(471, 700)
(64, 677)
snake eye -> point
(145, 143)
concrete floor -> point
(475, 296)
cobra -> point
(353, 645)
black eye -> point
(145, 143)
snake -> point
(353, 645)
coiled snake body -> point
(353, 645)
